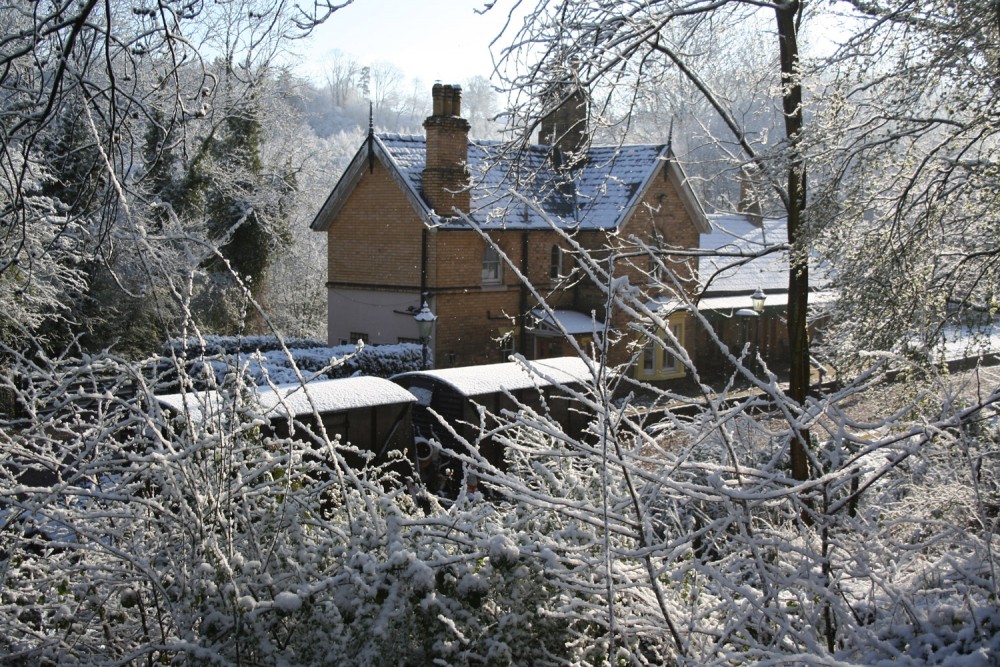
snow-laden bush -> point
(222, 345)
(269, 360)
(129, 535)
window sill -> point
(665, 375)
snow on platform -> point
(774, 300)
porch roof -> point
(571, 322)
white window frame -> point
(647, 359)
(492, 268)
(555, 262)
(656, 362)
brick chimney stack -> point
(565, 128)
(445, 178)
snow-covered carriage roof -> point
(333, 396)
(472, 381)
(323, 397)
(600, 193)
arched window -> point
(491, 265)
(555, 263)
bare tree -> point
(916, 174)
(481, 107)
(608, 51)
(82, 84)
(384, 82)
(341, 77)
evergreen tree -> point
(242, 202)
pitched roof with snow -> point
(735, 239)
(730, 275)
(479, 380)
(601, 193)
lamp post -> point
(757, 301)
(425, 324)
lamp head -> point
(425, 321)
(757, 299)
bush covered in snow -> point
(130, 536)
(221, 345)
(269, 360)
(133, 536)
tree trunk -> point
(787, 15)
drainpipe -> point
(423, 264)
(522, 336)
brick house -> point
(417, 219)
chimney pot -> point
(449, 101)
(437, 95)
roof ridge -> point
(534, 147)
(398, 136)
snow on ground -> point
(965, 342)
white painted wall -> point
(381, 315)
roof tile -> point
(596, 195)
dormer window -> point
(491, 266)
(555, 263)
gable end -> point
(372, 148)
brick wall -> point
(659, 213)
(468, 323)
(470, 313)
(376, 238)
(376, 241)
